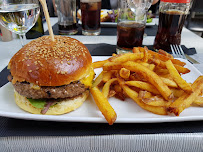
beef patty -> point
(65, 91)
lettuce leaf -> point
(37, 103)
(149, 20)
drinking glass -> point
(171, 21)
(134, 4)
(19, 16)
(90, 11)
(131, 24)
(66, 11)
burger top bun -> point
(47, 63)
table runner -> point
(18, 127)
(105, 31)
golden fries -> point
(177, 92)
(169, 82)
(103, 105)
(177, 78)
(107, 76)
(99, 64)
(151, 79)
(127, 57)
(124, 73)
(198, 101)
(98, 80)
(106, 87)
(143, 86)
(166, 58)
(162, 64)
(185, 100)
(165, 53)
(156, 102)
(154, 109)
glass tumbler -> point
(66, 11)
(90, 11)
(130, 27)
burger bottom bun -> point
(61, 107)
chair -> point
(194, 21)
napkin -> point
(3, 76)
(101, 49)
(189, 51)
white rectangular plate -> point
(127, 111)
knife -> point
(193, 61)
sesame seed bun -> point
(47, 63)
(62, 107)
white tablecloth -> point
(151, 143)
(106, 143)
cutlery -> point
(178, 53)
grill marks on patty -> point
(65, 91)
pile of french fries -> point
(152, 79)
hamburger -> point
(51, 77)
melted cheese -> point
(87, 81)
(33, 86)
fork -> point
(177, 51)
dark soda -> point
(68, 29)
(129, 34)
(90, 12)
(169, 29)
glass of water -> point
(19, 16)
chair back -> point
(197, 6)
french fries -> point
(107, 76)
(162, 64)
(98, 80)
(199, 101)
(143, 86)
(103, 105)
(169, 82)
(151, 79)
(106, 87)
(165, 53)
(154, 109)
(185, 100)
(127, 57)
(177, 78)
(99, 64)
(165, 58)
(124, 73)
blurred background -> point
(194, 20)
